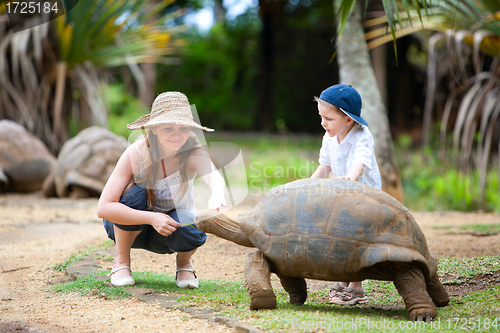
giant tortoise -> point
(335, 230)
(24, 159)
(85, 163)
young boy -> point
(347, 151)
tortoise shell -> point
(24, 159)
(87, 160)
(335, 229)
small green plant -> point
(91, 251)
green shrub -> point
(431, 183)
(123, 108)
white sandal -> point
(124, 281)
(187, 284)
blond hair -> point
(330, 106)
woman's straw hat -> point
(168, 108)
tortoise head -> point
(218, 224)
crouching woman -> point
(148, 200)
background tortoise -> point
(335, 230)
(24, 158)
(85, 163)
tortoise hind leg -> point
(437, 292)
(295, 287)
(258, 281)
(410, 283)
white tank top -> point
(167, 194)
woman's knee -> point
(135, 197)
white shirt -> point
(167, 194)
(357, 146)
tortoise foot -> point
(298, 298)
(422, 314)
(437, 292)
(262, 299)
(295, 287)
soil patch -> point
(477, 283)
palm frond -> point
(49, 82)
(471, 31)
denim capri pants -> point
(184, 239)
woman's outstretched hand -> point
(216, 202)
(164, 224)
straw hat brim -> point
(146, 122)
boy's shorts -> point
(184, 239)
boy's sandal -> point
(337, 288)
(187, 284)
(349, 296)
(124, 281)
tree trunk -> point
(378, 56)
(265, 104)
(271, 13)
(219, 12)
(355, 68)
(148, 92)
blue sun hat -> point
(346, 98)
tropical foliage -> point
(51, 74)
(467, 46)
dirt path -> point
(37, 233)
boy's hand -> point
(355, 172)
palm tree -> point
(51, 75)
(147, 91)
(472, 27)
(469, 33)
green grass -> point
(87, 252)
(93, 285)
(430, 182)
(231, 299)
(482, 229)
(462, 269)
(475, 229)
(275, 160)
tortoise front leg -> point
(410, 283)
(295, 287)
(258, 281)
